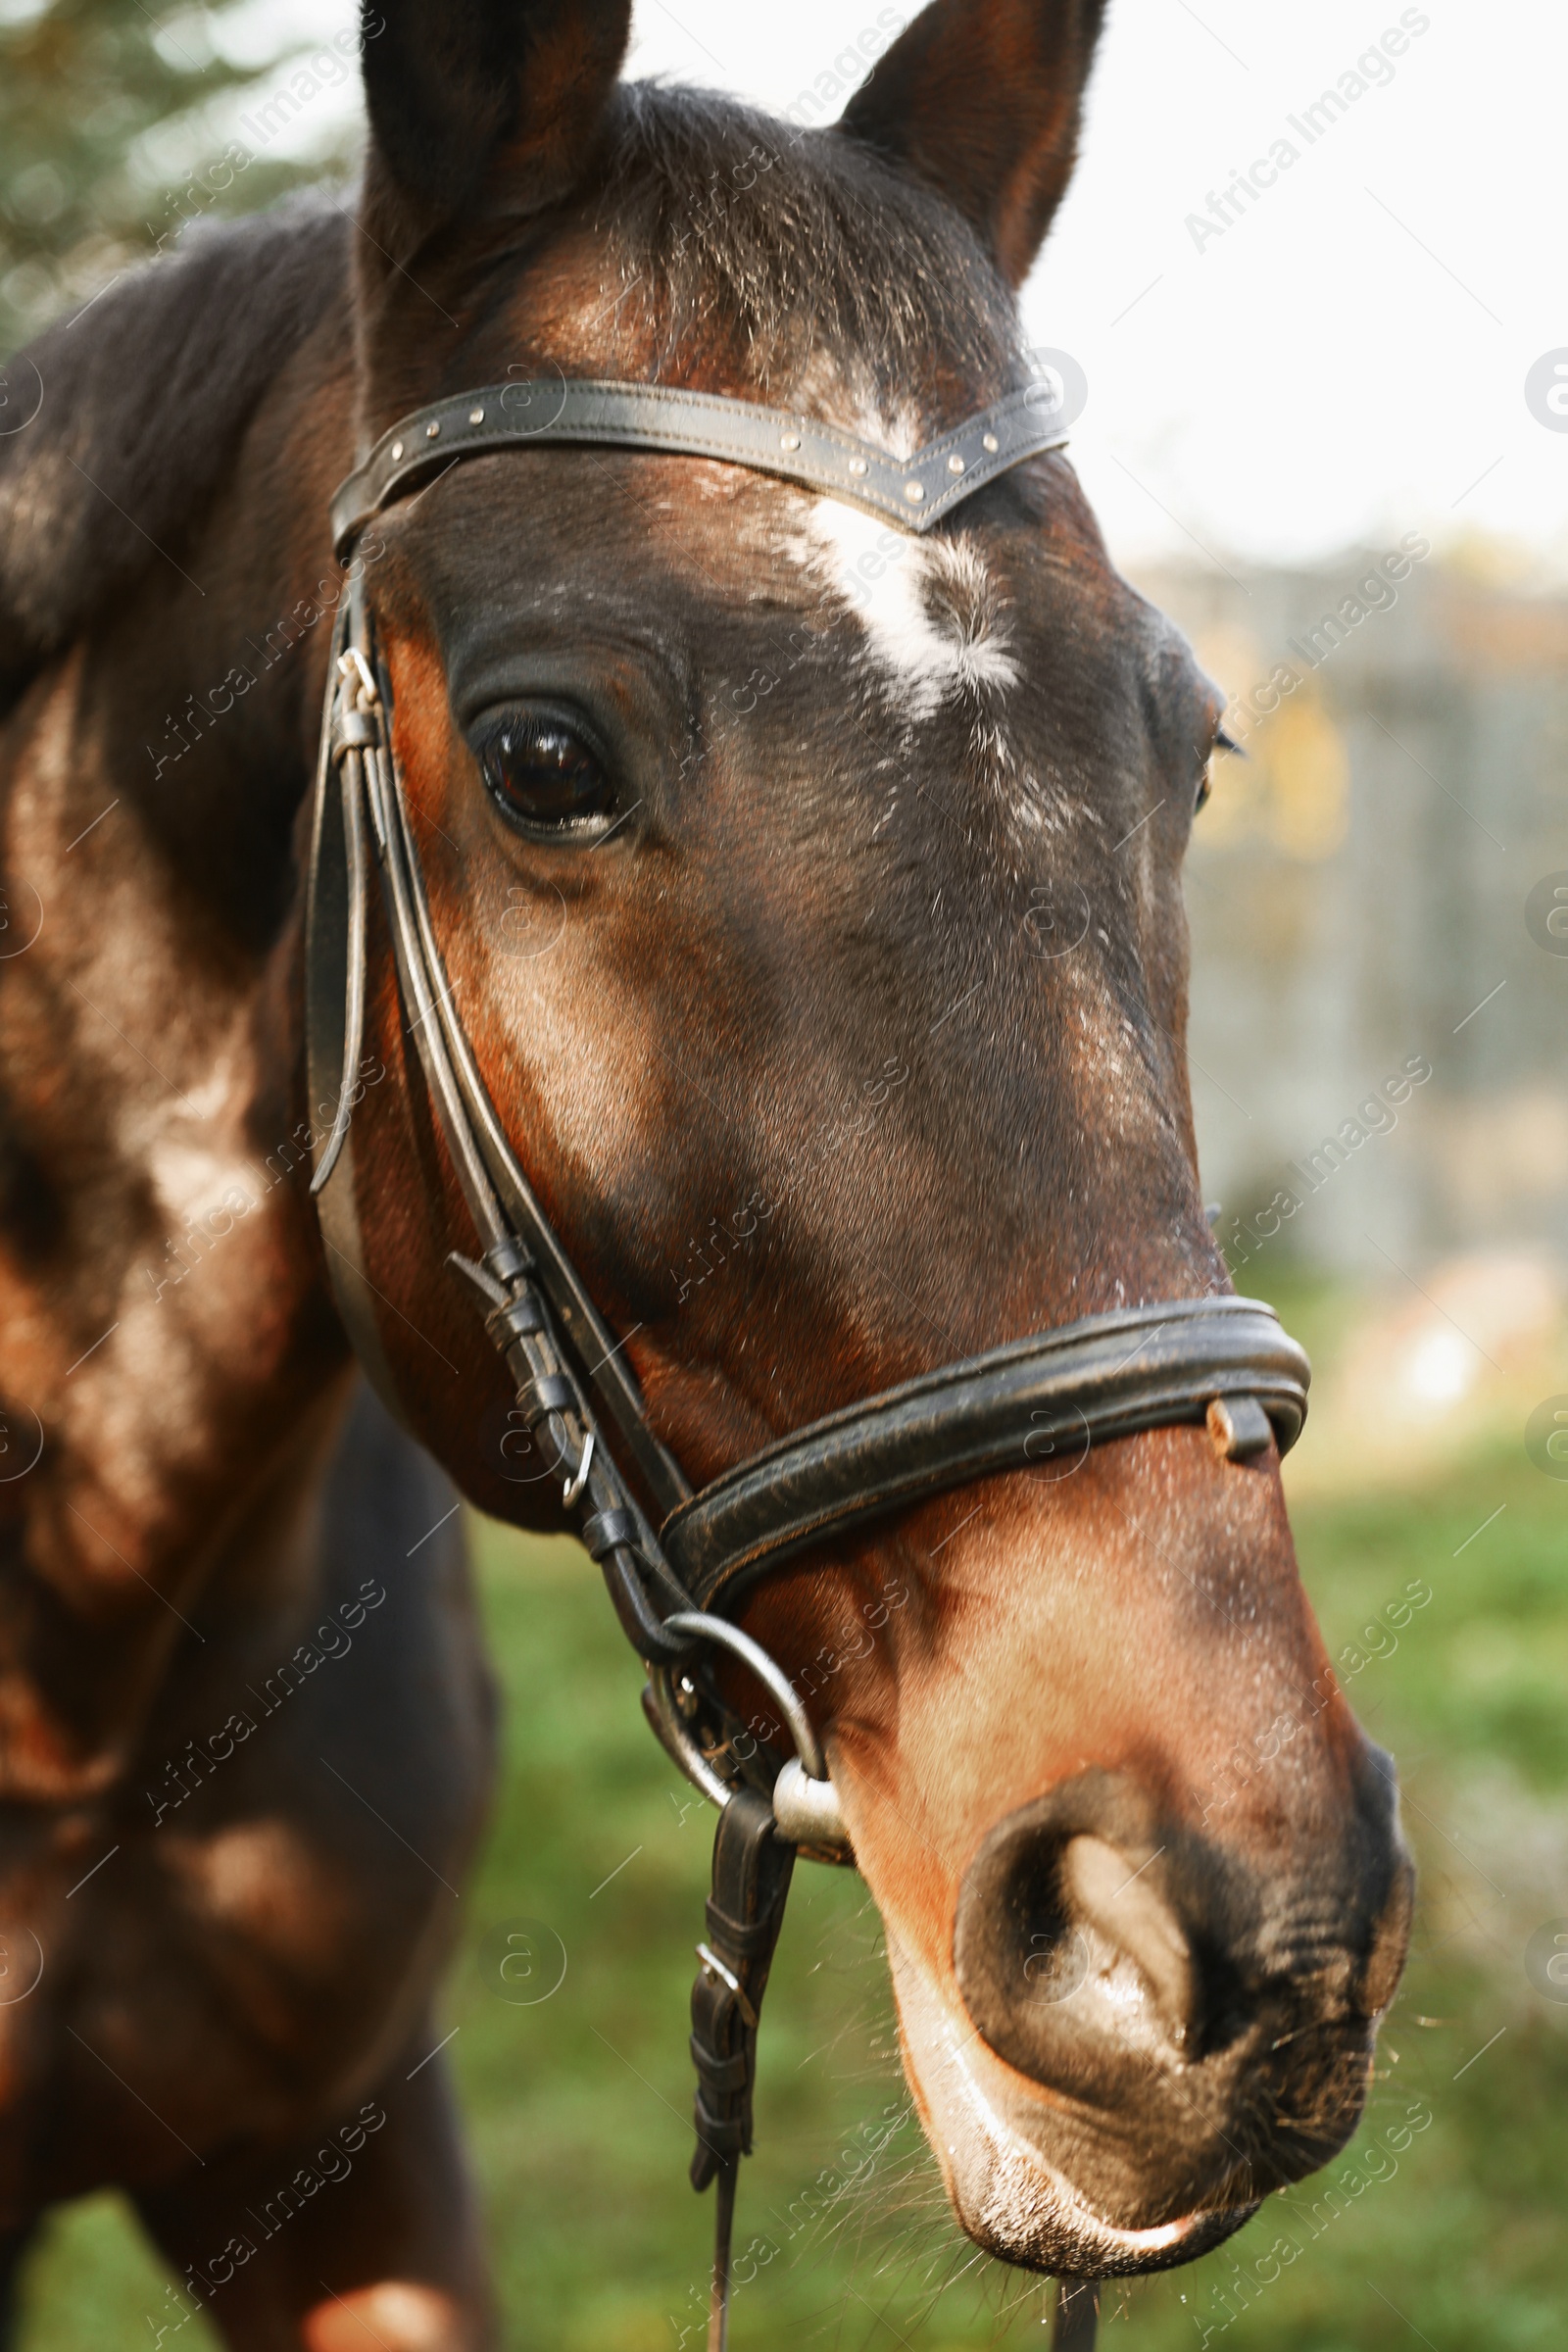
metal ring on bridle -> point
(724, 1636)
(805, 1799)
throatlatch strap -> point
(752, 1870)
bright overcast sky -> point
(1347, 360)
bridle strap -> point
(1037, 1404)
(669, 1558)
(916, 493)
(522, 1272)
(1076, 2317)
(752, 1870)
(498, 1192)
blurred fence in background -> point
(1378, 990)
(1380, 981)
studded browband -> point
(914, 493)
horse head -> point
(810, 891)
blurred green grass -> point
(578, 2105)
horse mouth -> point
(1007, 2194)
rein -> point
(676, 1563)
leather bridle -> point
(678, 1563)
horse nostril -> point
(1070, 1952)
(1116, 1899)
(1197, 2016)
(1387, 1872)
(1390, 1940)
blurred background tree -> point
(114, 121)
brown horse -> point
(756, 840)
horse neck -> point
(166, 1328)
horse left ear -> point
(455, 87)
(981, 100)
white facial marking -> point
(930, 608)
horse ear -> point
(454, 87)
(981, 100)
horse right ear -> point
(981, 100)
(464, 91)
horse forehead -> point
(694, 558)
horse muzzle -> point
(1151, 2032)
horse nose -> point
(1073, 1949)
(1099, 1948)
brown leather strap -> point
(915, 492)
(1035, 1404)
(334, 1026)
(752, 1870)
(1075, 2322)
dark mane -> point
(143, 400)
(791, 247)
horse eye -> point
(1206, 782)
(544, 773)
